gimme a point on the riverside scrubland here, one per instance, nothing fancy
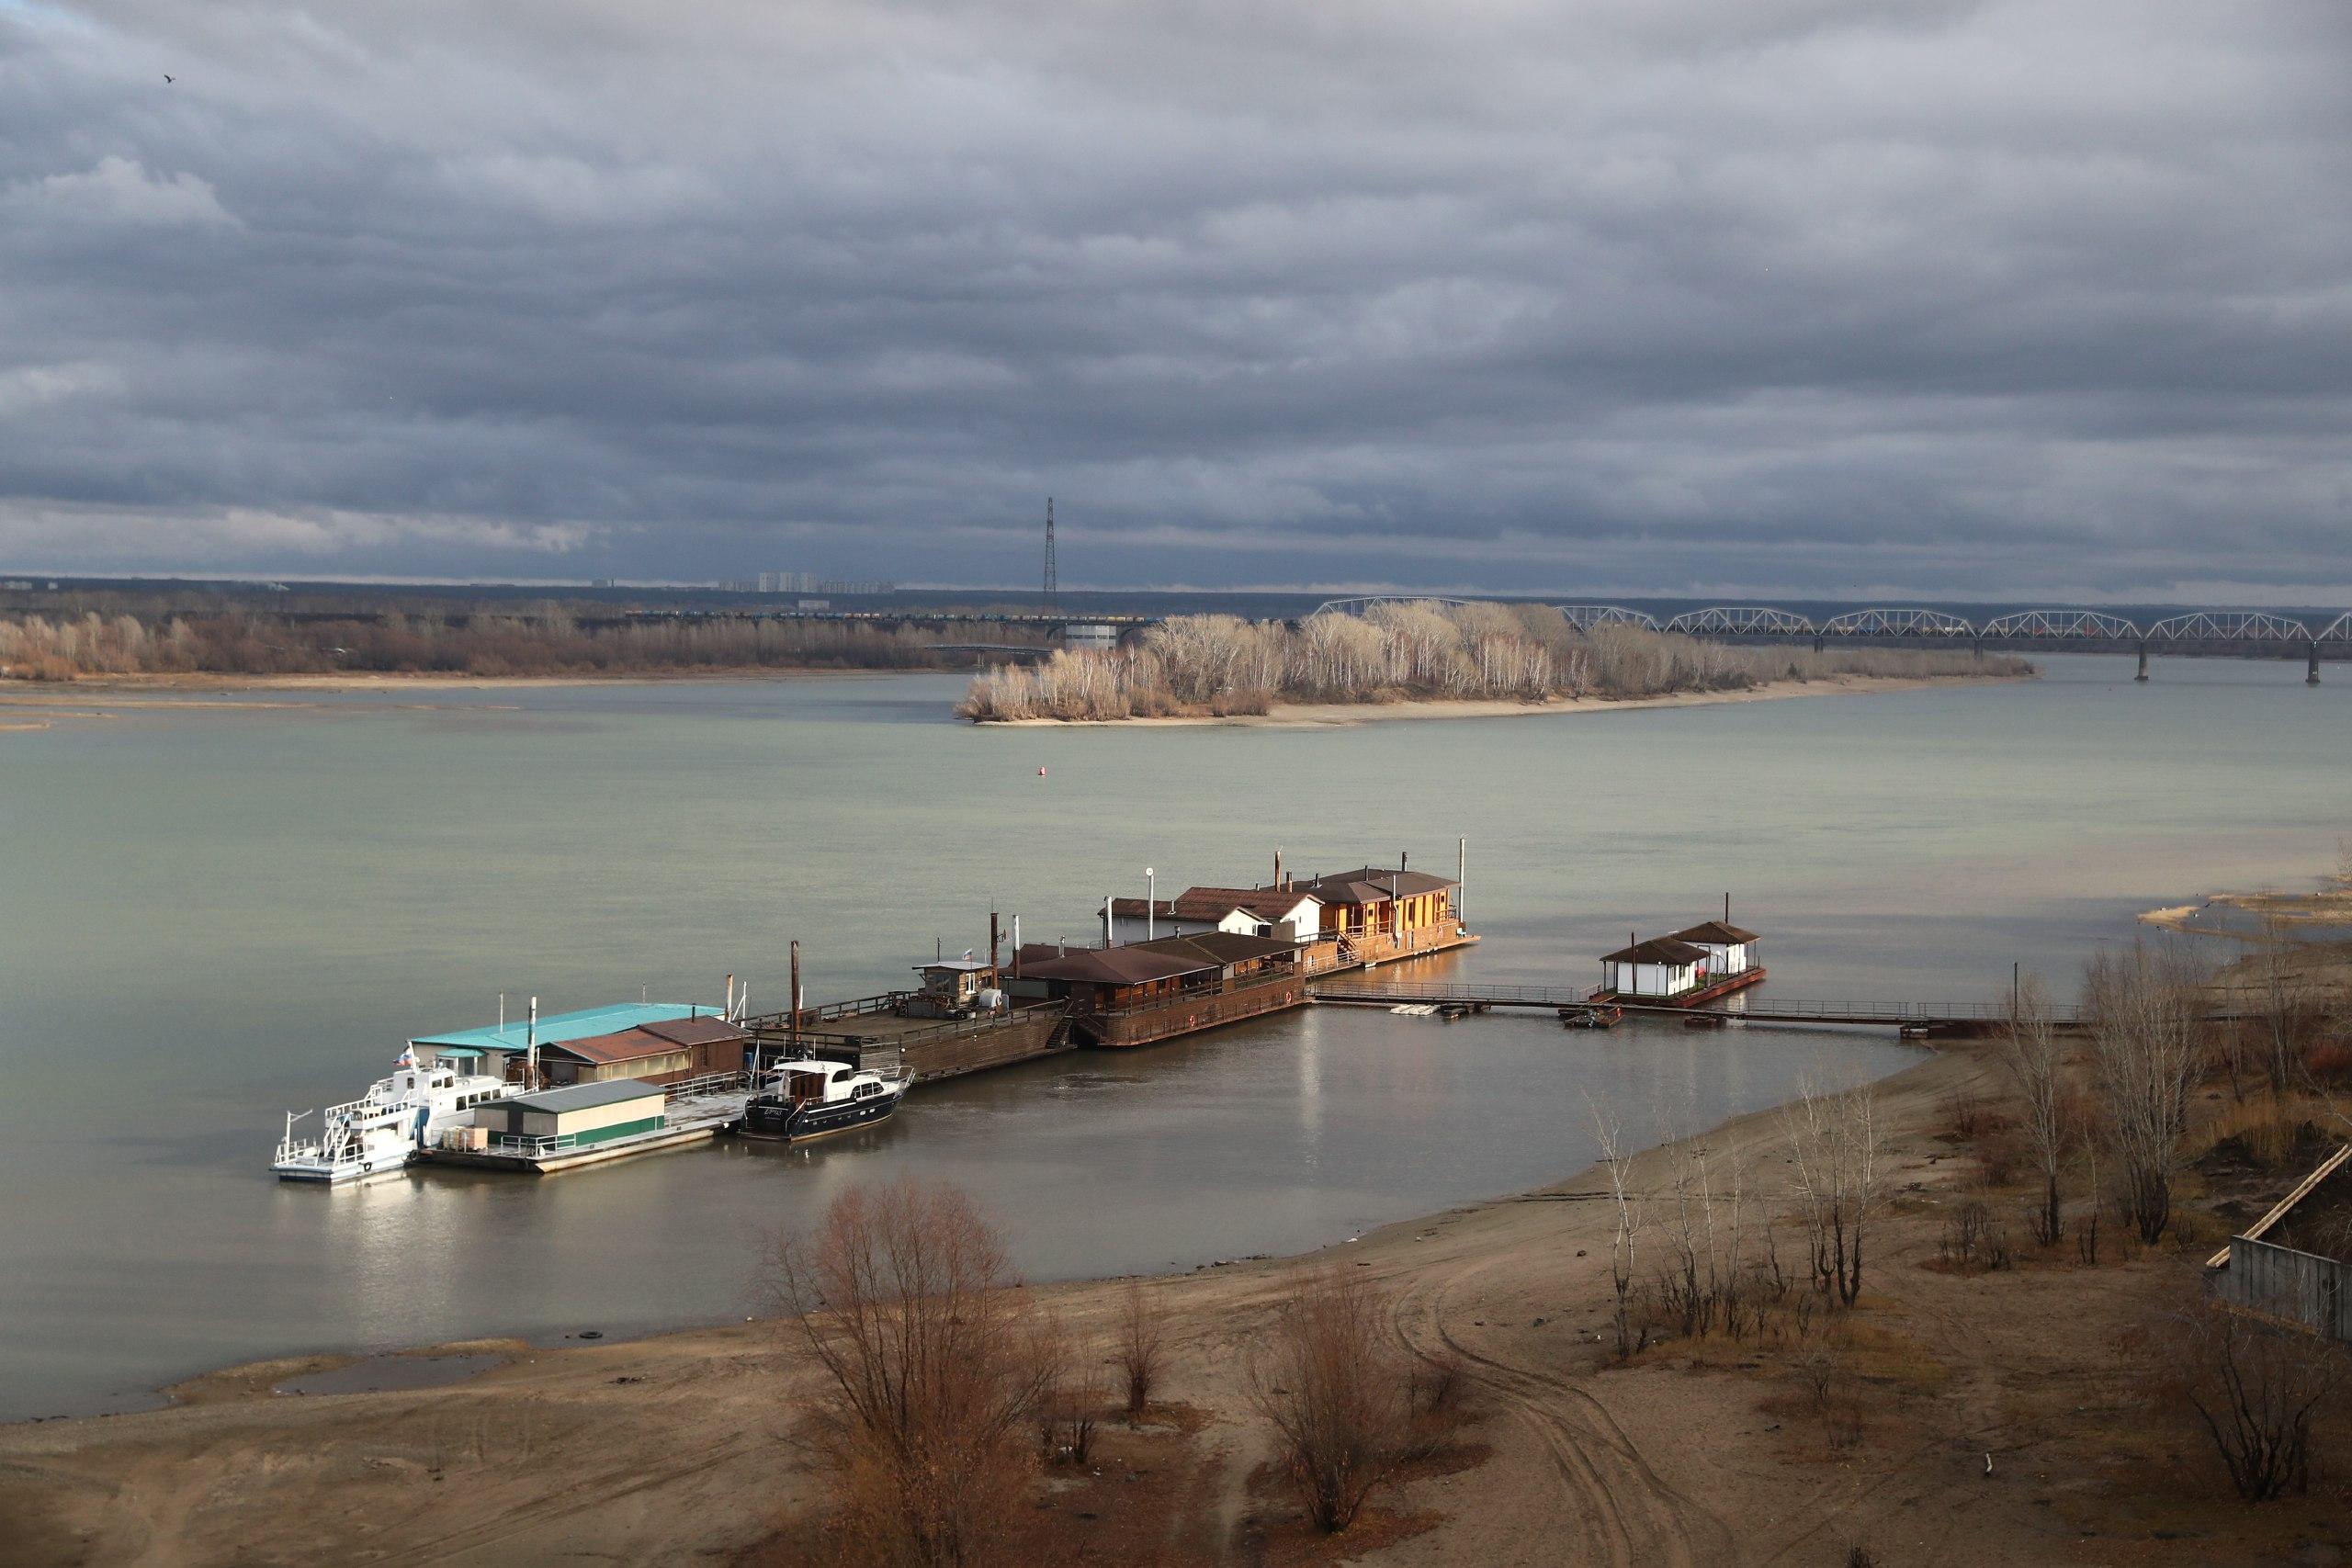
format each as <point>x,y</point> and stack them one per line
<point>1419,651</point>
<point>131,635</point>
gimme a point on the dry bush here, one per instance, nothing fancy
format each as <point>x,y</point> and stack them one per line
<point>1066,1412</point>
<point>1143,1333</point>
<point>937,1362</point>
<point>1972,1240</point>
<point>2256,1388</point>
<point>1325,1380</point>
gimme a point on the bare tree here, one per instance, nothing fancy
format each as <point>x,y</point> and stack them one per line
<point>2145,1035</point>
<point>2034,1062</point>
<point>1834,1143</point>
<point>2290,1006</point>
<point>2256,1388</point>
<point>1340,1406</point>
<point>1627,1233</point>
<point>1143,1329</point>
<point>937,1360</point>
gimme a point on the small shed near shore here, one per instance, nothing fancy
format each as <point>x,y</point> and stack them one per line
<point>586,1113</point>
<point>1662,966</point>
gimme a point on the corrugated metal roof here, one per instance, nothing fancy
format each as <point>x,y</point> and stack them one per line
<point>1215,903</point>
<point>556,1027</point>
<point>586,1096</point>
<point>703,1030</point>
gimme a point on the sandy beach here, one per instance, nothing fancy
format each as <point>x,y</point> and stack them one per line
<point>1997,1402</point>
<point>1302,716</point>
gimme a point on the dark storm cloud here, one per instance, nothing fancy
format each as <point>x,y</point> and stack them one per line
<point>1947,299</point>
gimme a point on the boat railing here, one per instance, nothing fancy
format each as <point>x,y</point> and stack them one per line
<point>531,1147</point>
<point>709,1084</point>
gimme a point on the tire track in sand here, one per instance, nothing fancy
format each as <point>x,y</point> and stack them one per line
<point>1636,1517</point>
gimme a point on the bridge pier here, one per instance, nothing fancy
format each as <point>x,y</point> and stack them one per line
<point>2311,675</point>
<point>2143,675</point>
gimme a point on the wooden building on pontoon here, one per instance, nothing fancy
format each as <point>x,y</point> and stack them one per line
<point>1730,950</point>
<point>1145,991</point>
<point>1377,911</point>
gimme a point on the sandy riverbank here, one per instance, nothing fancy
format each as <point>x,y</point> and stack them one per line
<point>1319,714</point>
<point>672,1448</point>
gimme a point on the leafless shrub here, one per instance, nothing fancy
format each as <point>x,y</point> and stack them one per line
<point>1143,1330</point>
<point>1325,1383</point>
<point>2145,1038</point>
<point>1065,1413</point>
<point>1973,1239</point>
<point>937,1362</point>
<point>2256,1388</point>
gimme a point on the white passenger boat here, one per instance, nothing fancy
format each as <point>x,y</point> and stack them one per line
<point>380,1132</point>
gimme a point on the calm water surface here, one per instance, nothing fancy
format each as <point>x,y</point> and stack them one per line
<point>209,918</point>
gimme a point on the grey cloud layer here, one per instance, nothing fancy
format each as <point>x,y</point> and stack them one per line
<point>1943,297</point>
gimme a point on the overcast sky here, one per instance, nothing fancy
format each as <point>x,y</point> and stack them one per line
<point>1831,297</point>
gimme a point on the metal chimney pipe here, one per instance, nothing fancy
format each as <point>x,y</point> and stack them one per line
<point>1016,947</point>
<point>531,1048</point>
<point>1151,899</point>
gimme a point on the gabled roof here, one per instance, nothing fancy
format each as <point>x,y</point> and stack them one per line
<point>1372,885</point>
<point>1131,965</point>
<point>1716,931</point>
<point>556,1028</point>
<point>1219,947</point>
<point>1658,950</point>
<point>1266,903</point>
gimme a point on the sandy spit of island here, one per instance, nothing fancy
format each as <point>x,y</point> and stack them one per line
<point>1308,716</point>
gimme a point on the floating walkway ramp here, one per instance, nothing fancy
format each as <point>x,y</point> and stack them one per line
<point>1941,1017</point>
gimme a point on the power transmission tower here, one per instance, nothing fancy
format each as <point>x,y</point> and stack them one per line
<point>1053,577</point>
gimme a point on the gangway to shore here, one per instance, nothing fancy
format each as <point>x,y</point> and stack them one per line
<point>1949,1017</point>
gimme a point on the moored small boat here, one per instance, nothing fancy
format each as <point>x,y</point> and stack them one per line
<point>798,1101</point>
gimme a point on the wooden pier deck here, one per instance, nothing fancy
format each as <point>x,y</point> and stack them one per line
<point>1954,1018</point>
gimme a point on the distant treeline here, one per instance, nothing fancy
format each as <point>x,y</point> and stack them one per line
<point>1411,652</point>
<point>506,639</point>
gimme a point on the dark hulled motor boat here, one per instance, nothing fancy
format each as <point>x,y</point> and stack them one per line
<point>804,1100</point>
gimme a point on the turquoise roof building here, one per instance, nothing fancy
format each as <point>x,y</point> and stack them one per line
<point>558,1027</point>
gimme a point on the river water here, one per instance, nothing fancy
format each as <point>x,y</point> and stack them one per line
<point>207,918</point>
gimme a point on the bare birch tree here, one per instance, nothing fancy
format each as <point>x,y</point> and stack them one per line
<point>2034,1062</point>
<point>1834,1146</point>
<point>2142,1008</point>
<point>1626,1234</point>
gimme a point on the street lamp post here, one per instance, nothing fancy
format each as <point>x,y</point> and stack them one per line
<point>1149,907</point>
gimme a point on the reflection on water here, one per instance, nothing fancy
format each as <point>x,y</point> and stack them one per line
<point>210,917</point>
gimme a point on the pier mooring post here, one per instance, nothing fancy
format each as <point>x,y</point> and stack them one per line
<point>2311,674</point>
<point>2143,675</point>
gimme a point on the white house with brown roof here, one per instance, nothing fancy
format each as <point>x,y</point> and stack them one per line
<point>1730,950</point>
<point>1289,913</point>
<point>1662,966</point>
